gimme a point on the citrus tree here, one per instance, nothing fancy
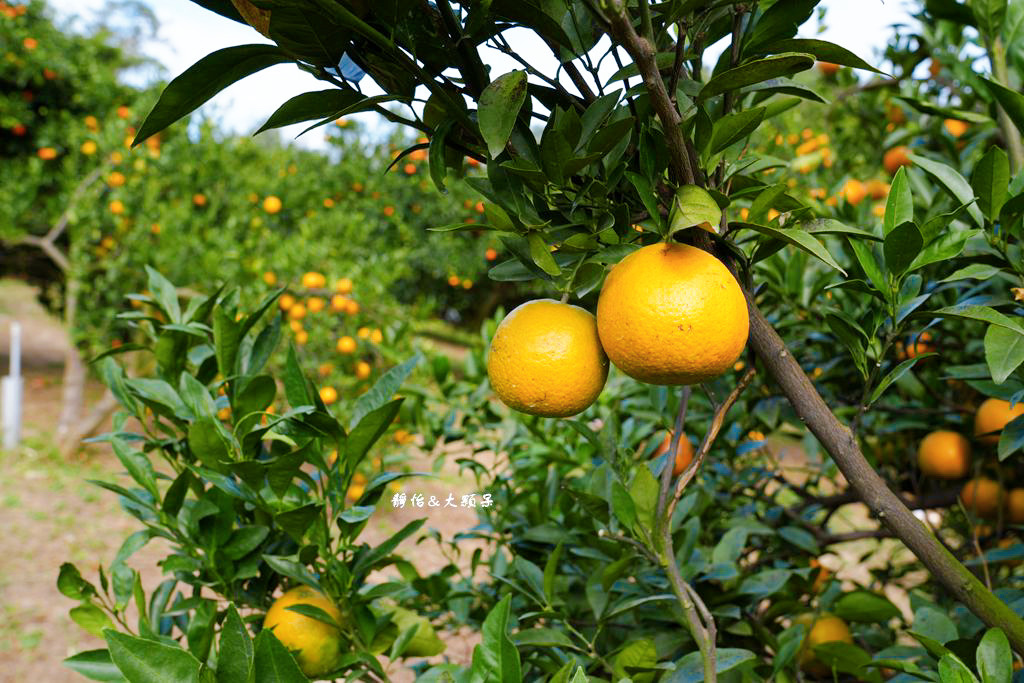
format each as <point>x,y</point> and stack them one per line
<point>725,243</point>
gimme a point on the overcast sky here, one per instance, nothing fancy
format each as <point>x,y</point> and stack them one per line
<point>188,32</point>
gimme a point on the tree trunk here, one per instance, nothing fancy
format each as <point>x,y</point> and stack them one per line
<point>73,385</point>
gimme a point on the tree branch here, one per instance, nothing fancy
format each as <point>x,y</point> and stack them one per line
<point>643,53</point>
<point>872,489</point>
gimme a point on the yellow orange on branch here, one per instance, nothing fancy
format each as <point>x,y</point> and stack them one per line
<point>672,314</point>
<point>546,359</point>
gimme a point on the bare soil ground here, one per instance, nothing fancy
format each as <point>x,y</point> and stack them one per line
<point>50,514</point>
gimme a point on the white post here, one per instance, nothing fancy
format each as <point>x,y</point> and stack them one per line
<point>11,391</point>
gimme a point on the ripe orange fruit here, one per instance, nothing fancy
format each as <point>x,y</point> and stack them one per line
<point>123,112</point>
<point>297,312</point>
<point>314,280</point>
<point>684,453</point>
<point>467,284</point>
<point>346,344</point>
<point>317,645</point>
<point>825,629</point>
<point>363,333</point>
<point>351,306</point>
<point>982,496</point>
<point>546,359</point>
<point>454,280</point>
<point>328,203</point>
<point>919,344</point>
<point>286,301</point>
<point>853,191</point>
<point>338,303</point>
<point>47,153</point>
<point>828,68</point>
<point>363,369</point>
<point>376,336</point>
<point>328,395</point>
<point>199,199</point>
<point>896,157</point>
<point>301,337</point>
<point>821,578</point>
<point>88,147</point>
<point>490,254</point>
<point>409,169</point>
<point>877,189</point>
<point>357,488</point>
<point>1015,506</point>
<point>315,304</point>
<point>269,278</point>
<point>992,416</point>
<point>116,179</point>
<point>271,204</point>
<point>672,314</point>
<point>389,211</point>
<point>343,286</point>
<point>955,127</point>
<point>295,325</point>
<point>944,455</point>
<point>934,68</point>
<point>117,207</point>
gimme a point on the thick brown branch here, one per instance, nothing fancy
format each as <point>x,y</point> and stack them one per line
<point>643,53</point>
<point>872,489</point>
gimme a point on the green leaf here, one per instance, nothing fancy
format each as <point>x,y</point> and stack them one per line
<point>273,662</point>
<point>690,669</point>
<point>91,619</point>
<point>165,294</point>
<point>369,429</point>
<point>644,492</point>
<point>734,127</point>
<point>543,637</point>
<point>945,248</point>
<point>208,443</point>
<point>646,193</point>
<point>800,538</point>
<point>436,155</point>
<point>499,106</point>
<point>540,253</point>
<point>149,661</point>
<point>234,659</point>
<point>865,606</point>
<point>71,584</point>
<point>798,238</point>
<point>322,104</point>
<point>765,583</point>
<point>694,206</point>
<point>822,50</point>
<point>953,670</point>
<point>902,245</point>
<point>974,271</point>
<point>204,79</point>
<point>496,658</point>
<point>730,546</point>
<point>894,375</point>
<point>953,182</point>
<point>756,71</point>
<point>368,561</point>
<point>1004,352</point>
<point>622,505</point>
<point>1011,439</point>
<point>296,388</point>
<point>982,313</point>
<point>899,207</point>
<point>227,338</point>
<point>634,660</point>
<point>384,389</point>
<point>990,180</point>
<point>95,665</point>
<point>989,15</point>
<point>994,657</point>
<point>934,624</point>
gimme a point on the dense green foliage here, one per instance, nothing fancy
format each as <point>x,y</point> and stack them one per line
<point>903,312</point>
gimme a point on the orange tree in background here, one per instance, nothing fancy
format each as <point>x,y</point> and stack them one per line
<point>865,331</point>
<point>82,212</point>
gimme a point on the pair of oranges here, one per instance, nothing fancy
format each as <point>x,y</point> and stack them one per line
<point>668,314</point>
